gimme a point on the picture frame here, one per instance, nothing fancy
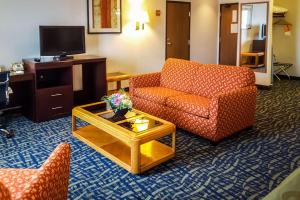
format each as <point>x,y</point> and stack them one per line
<point>104,16</point>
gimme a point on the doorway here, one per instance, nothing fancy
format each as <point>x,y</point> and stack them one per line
<point>228,34</point>
<point>178,30</point>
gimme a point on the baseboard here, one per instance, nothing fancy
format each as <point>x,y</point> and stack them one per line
<point>285,77</point>
<point>264,87</point>
<point>282,77</point>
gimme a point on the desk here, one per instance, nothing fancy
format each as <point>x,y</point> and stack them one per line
<point>257,59</point>
<point>45,90</point>
<point>117,77</point>
<point>22,97</point>
<point>53,94</point>
<point>27,76</point>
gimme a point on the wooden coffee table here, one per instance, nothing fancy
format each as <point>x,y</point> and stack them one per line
<point>131,142</point>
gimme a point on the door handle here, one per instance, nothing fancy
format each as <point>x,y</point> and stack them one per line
<point>168,41</point>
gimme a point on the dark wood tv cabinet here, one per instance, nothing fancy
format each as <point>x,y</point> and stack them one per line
<point>53,85</point>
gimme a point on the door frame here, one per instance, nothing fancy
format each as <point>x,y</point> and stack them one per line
<point>219,38</point>
<point>166,36</point>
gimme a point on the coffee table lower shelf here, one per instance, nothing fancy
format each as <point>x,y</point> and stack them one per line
<point>151,153</point>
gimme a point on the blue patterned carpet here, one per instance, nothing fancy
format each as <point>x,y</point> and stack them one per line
<point>246,166</point>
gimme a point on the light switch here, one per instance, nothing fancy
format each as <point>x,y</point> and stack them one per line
<point>158,12</point>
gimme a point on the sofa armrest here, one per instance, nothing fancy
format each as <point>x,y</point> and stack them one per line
<point>145,80</point>
<point>234,110</point>
<point>52,178</point>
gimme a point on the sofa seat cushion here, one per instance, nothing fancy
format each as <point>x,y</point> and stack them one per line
<point>192,104</point>
<point>156,94</point>
<point>15,180</point>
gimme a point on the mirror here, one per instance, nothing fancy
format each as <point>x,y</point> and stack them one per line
<point>254,36</point>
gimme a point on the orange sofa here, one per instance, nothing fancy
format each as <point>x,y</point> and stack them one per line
<point>48,182</point>
<point>212,101</point>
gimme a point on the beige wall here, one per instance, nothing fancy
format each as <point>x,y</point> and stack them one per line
<point>139,52</point>
<point>204,31</point>
<point>136,51</point>
<point>20,20</point>
<point>287,48</point>
<point>144,51</point>
<point>132,51</point>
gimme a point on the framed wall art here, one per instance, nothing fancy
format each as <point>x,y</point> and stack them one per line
<point>104,16</point>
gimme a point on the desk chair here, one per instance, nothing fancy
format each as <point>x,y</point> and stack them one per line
<point>4,100</point>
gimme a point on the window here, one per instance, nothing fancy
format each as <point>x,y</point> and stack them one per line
<point>247,16</point>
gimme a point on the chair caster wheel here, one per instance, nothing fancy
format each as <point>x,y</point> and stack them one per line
<point>7,133</point>
<point>10,135</point>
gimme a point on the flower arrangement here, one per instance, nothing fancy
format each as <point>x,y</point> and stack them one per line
<point>119,101</point>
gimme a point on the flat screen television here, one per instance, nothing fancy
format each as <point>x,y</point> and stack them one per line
<point>61,41</point>
<point>263,31</point>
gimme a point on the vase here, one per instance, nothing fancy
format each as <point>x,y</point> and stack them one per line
<point>119,114</point>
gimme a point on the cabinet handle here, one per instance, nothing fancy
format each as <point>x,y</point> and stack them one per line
<point>56,108</point>
<point>56,95</point>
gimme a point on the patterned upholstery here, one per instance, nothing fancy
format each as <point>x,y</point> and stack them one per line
<point>146,80</point>
<point>219,100</point>
<point>178,74</point>
<point>150,107</point>
<point>15,180</point>
<point>233,110</point>
<point>192,104</point>
<point>213,79</point>
<point>48,182</point>
<point>4,192</point>
<point>156,94</point>
<point>192,123</point>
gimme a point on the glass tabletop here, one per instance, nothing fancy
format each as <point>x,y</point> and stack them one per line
<point>132,121</point>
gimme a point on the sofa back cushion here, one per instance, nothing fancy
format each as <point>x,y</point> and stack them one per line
<point>179,74</point>
<point>213,79</point>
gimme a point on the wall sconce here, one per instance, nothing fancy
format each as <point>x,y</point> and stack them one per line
<point>141,18</point>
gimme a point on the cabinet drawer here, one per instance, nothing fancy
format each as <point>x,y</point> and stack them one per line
<point>55,95</point>
<point>54,111</point>
<point>54,102</point>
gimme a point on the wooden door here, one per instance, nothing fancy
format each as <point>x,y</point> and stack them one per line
<point>228,34</point>
<point>178,30</point>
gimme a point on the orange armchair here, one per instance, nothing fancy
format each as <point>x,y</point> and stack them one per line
<point>48,182</point>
